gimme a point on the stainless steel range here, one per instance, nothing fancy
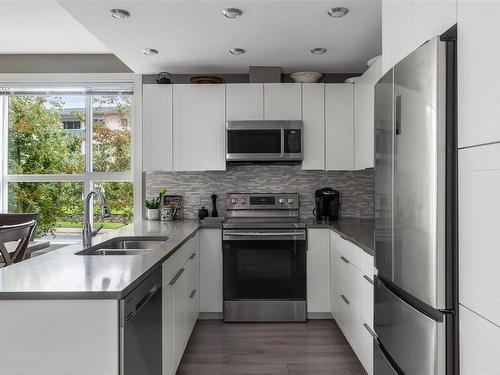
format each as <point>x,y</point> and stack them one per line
<point>264,259</point>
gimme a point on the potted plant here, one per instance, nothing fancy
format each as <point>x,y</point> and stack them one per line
<point>153,208</point>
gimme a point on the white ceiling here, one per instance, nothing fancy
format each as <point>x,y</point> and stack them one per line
<point>43,27</point>
<point>193,36</point>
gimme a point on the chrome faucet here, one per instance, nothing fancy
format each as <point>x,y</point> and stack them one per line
<point>88,232</point>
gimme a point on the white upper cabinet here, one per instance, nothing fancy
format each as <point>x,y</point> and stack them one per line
<point>478,81</point>
<point>157,128</point>
<point>364,114</point>
<point>407,24</point>
<point>339,118</point>
<point>244,101</point>
<point>430,18</point>
<point>199,123</point>
<point>282,101</point>
<point>313,115</point>
<point>396,32</point>
<point>479,205</point>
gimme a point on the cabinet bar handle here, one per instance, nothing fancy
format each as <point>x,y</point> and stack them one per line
<point>176,277</point>
<point>192,293</point>
<point>345,299</point>
<point>344,237</point>
<point>192,256</point>
<point>345,260</point>
<point>370,331</point>
<point>368,279</point>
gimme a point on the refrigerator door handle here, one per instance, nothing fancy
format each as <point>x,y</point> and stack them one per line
<point>398,115</point>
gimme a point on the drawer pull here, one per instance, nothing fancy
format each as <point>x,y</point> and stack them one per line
<point>192,256</point>
<point>370,331</point>
<point>345,299</point>
<point>344,238</point>
<point>368,279</point>
<point>345,260</point>
<point>192,293</point>
<point>176,277</point>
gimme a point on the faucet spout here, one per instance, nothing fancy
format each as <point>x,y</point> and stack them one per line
<point>88,232</point>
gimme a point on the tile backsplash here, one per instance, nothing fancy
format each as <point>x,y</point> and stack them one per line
<point>355,187</point>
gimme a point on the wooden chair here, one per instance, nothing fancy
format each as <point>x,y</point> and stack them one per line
<point>17,232</point>
<point>11,219</point>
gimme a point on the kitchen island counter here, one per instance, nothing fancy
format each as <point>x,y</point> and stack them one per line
<point>61,274</point>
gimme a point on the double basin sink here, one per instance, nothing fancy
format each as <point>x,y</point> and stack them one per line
<point>125,246</point>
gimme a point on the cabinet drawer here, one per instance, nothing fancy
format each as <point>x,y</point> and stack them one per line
<point>356,256</point>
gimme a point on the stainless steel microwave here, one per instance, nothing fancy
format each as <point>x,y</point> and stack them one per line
<point>264,141</point>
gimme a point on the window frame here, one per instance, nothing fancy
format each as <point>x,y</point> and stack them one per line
<point>134,175</point>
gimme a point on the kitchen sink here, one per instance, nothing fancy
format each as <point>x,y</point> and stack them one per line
<point>125,246</point>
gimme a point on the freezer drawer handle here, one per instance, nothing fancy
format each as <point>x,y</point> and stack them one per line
<point>192,293</point>
<point>368,279</point>
<point>370,331</point>
<point>345,260</point>
<point>192,256</point>
<point>176,277</point>
<point>345,299</point>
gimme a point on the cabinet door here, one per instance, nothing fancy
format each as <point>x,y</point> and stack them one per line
<point>282,101</point>
<point>179,286</point>
<point>333,276</point>
<point>244,101</point>
<point>396,32</point>
<point>318,270</point>
<point>478,56</point>
<point>479,345</point>
<point>211,270</point>
<point>364,115</point>
<point>430,18</point>
<point>157,127</point>
<point>339,109</point>
<point>479,185</point>
<point>313,115</point>
<point>199,123</point>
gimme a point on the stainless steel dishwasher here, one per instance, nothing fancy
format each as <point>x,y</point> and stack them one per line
<point>140,328</point>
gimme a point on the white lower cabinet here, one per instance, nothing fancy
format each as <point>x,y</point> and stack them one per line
<point>352,296</point>
<point>318,270</point>
<point>180,307</point>
<point>479,345</point>
<point>211,270</point>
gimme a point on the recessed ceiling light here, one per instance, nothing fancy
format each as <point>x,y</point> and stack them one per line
<point>150,51</point>
<point>338,12</point>
<point>119,14</point>
<point>318,51</point>
<point>237,51</point>
<point>232,12</point>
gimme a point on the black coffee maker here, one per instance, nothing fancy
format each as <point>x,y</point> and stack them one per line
<point>327,203</point>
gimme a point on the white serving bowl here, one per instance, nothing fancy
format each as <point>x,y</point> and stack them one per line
<point>306,77</point>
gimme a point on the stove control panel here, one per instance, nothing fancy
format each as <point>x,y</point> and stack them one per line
<point>263,201</point>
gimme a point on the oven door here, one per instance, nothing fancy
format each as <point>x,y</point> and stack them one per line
<point>264,274</point>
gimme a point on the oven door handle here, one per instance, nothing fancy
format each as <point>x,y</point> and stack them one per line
<point>265,235</point>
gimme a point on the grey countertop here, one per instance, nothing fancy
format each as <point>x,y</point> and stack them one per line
<point>60,274</point>
<point>358,231</point>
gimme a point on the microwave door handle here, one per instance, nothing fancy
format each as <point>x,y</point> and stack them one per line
<point>282,153</point>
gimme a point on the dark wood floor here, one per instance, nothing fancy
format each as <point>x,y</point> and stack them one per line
<point>316,347</point>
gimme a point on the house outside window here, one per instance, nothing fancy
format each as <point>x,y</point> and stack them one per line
<point>59,143</point>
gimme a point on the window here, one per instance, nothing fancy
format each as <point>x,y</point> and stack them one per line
<point>59,143</point>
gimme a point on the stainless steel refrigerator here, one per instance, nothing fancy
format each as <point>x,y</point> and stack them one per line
<point>415,201</point>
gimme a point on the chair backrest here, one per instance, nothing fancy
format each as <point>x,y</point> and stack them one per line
<point>12,219</point>
<point>17,232</point>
